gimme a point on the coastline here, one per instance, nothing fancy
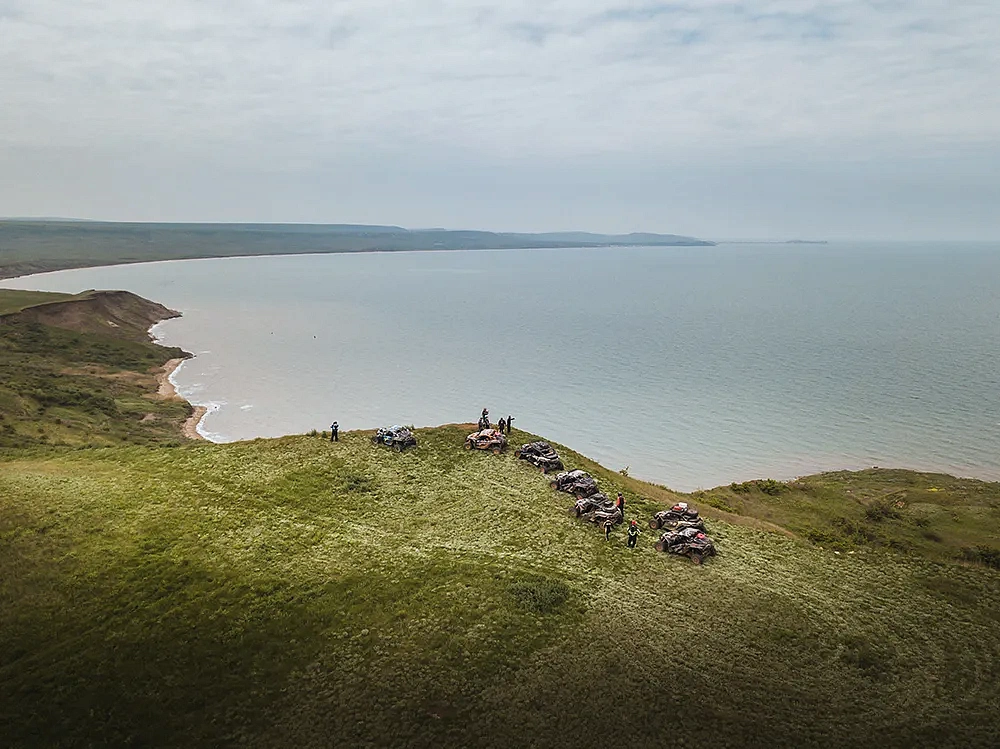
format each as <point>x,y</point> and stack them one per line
<point>167,391</point>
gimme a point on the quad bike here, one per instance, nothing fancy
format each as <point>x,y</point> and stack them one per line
<point>597,510</point>
<point>594,503</point>
<point>397,437</point>
<point>541,454</point>
<point>688,542</point>
<point>486,439</point>
<point>679,512</point>
<point>676,525</point>
<point>578,483</point>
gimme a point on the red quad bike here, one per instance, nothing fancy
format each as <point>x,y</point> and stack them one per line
<point>578,483</point>
<point>688,542</point>
<point>486,439</point>
<point>540,454</point>
<point>680,512</point>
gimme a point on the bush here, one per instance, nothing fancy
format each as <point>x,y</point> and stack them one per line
<point>720,504</point>
<point>543,595</point>
<point>880,510</point>
<point>866,656</point>
<point>766,486</point>
<point>984,555</point>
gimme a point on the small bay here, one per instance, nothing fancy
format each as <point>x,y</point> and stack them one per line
<point>694,366</point>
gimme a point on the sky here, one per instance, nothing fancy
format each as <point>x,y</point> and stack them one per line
<point>832,119</point>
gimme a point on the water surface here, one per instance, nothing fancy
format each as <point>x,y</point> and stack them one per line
<point>694,366</point>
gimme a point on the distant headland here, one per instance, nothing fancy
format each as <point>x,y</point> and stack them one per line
<point>38,245</point>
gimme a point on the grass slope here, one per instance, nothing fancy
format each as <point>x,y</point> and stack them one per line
<point>15,300</point>
<point>930,514</point>
<point>94,385</point>
<point>293,592</point>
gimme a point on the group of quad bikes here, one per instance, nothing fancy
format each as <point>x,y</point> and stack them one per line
<point>685,530</point>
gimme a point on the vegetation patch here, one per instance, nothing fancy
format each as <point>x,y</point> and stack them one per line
<point>984,555</point>
<point>765,486</point>
<point>543,595</point>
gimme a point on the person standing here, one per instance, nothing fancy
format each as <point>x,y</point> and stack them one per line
<point>334,430</point>
<point>501,426</point>
<point>510,420</point>
<point>633,534</point>
<point>608,525</point>
<point>620,504</point>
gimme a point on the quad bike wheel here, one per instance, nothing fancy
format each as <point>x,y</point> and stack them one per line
<point>655,523</point>
<point>398,446</point>
<point>553,484</point>
<point>496,450</point>
<point>468,444</point>
<point>696,557</point>
<point>659,546</point>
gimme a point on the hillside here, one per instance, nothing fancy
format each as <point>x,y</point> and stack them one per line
<point>283,592</point>
<point>80,370</point>
<point>36,246</point>
<point>294,592</point>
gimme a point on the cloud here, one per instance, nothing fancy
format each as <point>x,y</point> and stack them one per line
<point>300,86</point>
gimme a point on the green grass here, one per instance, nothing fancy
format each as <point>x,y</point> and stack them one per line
<point>14,300</point>
<point>294,592</point>
<point>928,514</point>
<point>291,592</point>
<point>67,388</point>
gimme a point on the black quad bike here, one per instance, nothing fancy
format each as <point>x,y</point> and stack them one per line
<point>689,542</point>
<point>540,454</point>
<point>578,483</point>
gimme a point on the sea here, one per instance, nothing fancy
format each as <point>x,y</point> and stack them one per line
<point>687,366</point>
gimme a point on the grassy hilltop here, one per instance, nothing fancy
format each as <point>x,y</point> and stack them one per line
<point>294,592</point>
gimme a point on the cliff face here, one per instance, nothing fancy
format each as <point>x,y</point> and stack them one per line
<point>120,314</point>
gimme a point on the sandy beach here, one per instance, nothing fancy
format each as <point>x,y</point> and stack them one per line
<point>167,391</point>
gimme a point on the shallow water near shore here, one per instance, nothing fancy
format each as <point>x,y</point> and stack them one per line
<point>693,366</point>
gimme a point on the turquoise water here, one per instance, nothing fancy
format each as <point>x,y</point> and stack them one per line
<point>692,366</point>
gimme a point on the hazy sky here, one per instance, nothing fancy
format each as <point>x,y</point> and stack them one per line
<point>820,118</point>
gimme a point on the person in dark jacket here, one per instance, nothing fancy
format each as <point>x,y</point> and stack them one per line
<point>633,534</point>
<point>334,429</point>
<point>501,426</point>
<point>510,420</point>
<point>608,525</point>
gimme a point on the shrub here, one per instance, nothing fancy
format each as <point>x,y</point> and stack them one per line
<point>866,656</point>
<point>765,486</point>
<point>880,510</point>
<point>543,595</point>
<point>984,555</point>
<point>855,531</point>
<point>720,504</point>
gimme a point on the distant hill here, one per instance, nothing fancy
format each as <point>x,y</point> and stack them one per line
<point>635,238</point>
<point>34,245</point>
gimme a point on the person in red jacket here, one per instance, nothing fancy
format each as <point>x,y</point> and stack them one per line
<point>620,504</point>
